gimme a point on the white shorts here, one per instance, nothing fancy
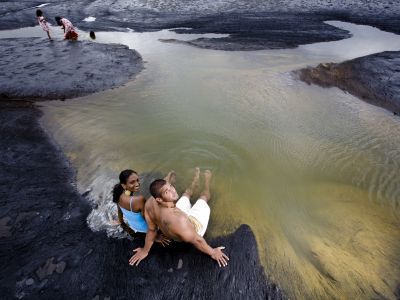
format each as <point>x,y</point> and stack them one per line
<point>200,211</point>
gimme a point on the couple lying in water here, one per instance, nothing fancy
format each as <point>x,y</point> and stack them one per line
<point>165,216</point>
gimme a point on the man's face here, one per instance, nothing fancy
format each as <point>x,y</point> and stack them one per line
<point>168,193</point>
<point>132,184</point>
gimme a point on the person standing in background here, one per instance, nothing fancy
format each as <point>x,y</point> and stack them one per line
<point>43,23</point>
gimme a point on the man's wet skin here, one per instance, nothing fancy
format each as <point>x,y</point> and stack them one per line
<point>176,224</point>
<point>155,209</point>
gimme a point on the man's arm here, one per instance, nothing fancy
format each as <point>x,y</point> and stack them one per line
<point>189,235</point>
<point>151,234</point>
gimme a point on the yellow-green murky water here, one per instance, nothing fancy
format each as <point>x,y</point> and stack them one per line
<point>313,171</point>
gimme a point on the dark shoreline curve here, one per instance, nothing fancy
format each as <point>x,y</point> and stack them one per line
<point>47,250</point>
<point>44,70</point>
<point>374,78</point>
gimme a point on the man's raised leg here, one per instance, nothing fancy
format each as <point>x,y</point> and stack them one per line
<point>171,177</point>
<point>194,185</point>
<point>206,194</point>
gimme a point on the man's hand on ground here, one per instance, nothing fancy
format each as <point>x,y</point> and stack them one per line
<point>138,256</point>
<point>163,240</point>
<point>220,256</point>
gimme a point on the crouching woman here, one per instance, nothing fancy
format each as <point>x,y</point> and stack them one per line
<point>69,29</point>
<point>130,207</point>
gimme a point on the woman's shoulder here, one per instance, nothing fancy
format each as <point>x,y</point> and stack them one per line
<point>123,199</point>
<point>127,199</point>
<point>140,199</point>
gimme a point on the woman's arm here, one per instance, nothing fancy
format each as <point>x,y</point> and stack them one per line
<point>141,253</point>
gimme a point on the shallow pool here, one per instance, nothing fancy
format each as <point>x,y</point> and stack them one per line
<point>313,171</point>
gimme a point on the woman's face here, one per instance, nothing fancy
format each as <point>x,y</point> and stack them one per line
<point>132,184</point>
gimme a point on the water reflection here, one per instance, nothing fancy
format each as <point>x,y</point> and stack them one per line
<point>313,171</point>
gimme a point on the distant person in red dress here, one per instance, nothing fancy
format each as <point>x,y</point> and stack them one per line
<point>69,29</point>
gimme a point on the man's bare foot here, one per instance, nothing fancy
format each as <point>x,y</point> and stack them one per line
<point>171,177</point>
<point>196,178</point>
<point>194,185</point>
<point>207,176</point>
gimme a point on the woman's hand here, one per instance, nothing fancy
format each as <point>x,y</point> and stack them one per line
<point>138,256</point>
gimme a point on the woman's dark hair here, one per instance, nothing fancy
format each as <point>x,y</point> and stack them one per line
<point>118,189</point>
<point>58,20</point>
<point>39,13</point>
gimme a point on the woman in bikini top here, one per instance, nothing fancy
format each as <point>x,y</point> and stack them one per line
<point>132,207</point>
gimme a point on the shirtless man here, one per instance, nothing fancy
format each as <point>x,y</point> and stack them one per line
<point>179,220</point>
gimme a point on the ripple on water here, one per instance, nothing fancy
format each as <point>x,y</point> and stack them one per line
<point>207,151</point>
